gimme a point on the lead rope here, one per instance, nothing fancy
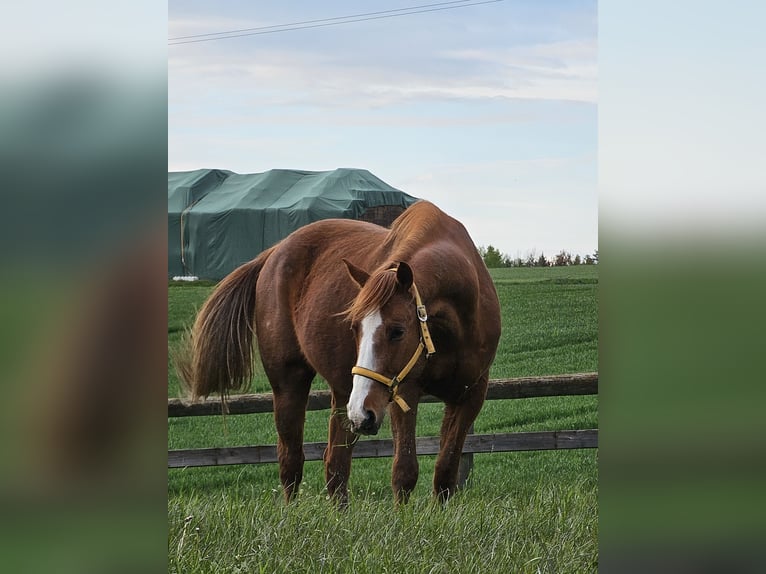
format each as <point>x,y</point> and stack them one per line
<point>340,412</point>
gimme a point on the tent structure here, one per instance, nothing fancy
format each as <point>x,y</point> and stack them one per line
<point>218,219</point>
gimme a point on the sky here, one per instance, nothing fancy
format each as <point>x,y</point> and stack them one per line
<point>489,111</point>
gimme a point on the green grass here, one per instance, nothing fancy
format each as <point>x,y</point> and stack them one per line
<point>549,529</point>
<point>557,275</point>
<point>522,512</point>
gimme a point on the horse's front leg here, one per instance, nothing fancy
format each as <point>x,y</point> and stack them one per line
<point>337,455</point>
<point>404,473</point>
<point>457,420</point>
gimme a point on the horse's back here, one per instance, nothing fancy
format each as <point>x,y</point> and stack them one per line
<point>303,290</point>
<point>318,248</point>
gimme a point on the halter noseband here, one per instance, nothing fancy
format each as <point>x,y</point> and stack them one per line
<point>425,344</point>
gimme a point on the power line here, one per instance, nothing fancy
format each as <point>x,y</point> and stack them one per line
<point>320,23</point>
<point>315,21</point>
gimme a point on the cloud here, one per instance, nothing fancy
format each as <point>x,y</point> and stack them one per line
<point>492,119</point>
<point>305,76</point>
<point>561,70</point>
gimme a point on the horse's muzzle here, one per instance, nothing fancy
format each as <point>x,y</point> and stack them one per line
<point>369,425</point>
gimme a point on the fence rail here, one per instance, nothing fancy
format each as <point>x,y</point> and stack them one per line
<point>546,440</point>
<point>517,388</point>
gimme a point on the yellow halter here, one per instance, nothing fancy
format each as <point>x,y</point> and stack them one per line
<point>425,344</point>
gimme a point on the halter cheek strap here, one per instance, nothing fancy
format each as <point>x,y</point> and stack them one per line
<point>425,334</point>
<point>425,344</point>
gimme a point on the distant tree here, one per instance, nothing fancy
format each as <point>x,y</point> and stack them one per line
<point>577,260</point>
<point>589,260</point>
<point>531,259</point>
<point>563,259</point>
<point>595,256</point>
<point>541,261</point>
<point>492,257</point>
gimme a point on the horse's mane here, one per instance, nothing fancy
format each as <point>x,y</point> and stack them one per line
<point>416,227</point>
<point>378,289</point>
<point>413,229</point>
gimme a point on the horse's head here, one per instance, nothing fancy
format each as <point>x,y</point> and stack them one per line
<point>390,331</point>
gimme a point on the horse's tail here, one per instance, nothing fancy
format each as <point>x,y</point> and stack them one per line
<point>217,356</point>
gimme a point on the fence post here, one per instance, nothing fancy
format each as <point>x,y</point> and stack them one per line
<point>466,465</point>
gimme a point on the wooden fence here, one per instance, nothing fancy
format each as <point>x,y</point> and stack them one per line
<point>518,388</point>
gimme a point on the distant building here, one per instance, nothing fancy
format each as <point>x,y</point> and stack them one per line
<point>218,219</point>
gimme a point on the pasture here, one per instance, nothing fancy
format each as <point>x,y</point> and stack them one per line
<point>522,512</point>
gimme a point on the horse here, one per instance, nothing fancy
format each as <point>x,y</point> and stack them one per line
<point>384,315</point>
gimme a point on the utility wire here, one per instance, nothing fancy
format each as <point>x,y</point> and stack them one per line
<point>320,20</point>
<point>325,22</point>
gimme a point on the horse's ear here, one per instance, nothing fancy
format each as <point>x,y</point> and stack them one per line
<point>404,275</point>
<point>360,276</point>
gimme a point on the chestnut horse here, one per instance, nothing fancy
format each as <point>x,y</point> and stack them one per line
<point>410,310</point>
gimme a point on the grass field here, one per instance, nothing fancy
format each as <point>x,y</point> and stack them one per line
<point>522,512</point>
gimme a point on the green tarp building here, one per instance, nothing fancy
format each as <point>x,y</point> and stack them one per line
<point>219,219</point>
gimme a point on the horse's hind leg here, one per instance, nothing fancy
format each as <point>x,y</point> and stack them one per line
<point>457,420</point>
<point>291,391</point>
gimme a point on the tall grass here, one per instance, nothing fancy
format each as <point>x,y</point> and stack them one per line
<point>522,512</point>
<point>550,528</point>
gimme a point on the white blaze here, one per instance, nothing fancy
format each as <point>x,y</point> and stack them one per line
<point>362,385</point>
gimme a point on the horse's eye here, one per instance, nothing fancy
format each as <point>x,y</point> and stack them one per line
<point>396,334</point>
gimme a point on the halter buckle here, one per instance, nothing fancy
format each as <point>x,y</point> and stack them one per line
<point>422,315</point>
